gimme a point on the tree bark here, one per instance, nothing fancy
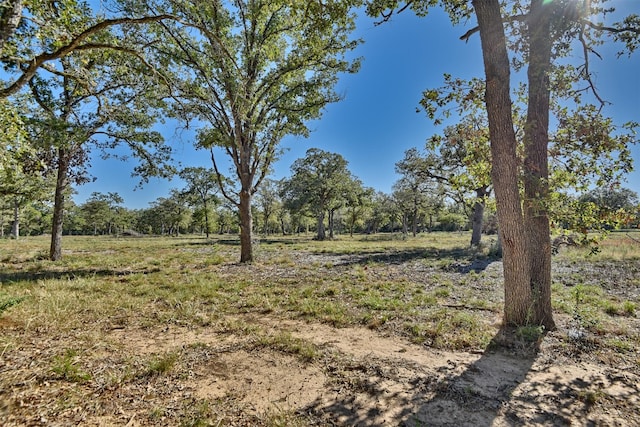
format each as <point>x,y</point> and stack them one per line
<point>504,173</point>
<point>10,17</point>
<point>55,251</point>
<point>321,232</point>
<point>536,168</point>
<point>405,225</point>
<point>331,215</point>
<point>246,227</point>
<point>477,216</point>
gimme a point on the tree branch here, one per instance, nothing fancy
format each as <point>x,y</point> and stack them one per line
<point>387,16</point>
<point>75,44</point>
<point>613,30</point>
<point>587,73</point>
<point>219,179</point>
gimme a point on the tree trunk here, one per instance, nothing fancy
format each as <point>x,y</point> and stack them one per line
<point>321,232</point>
<point>504,173</point>
<point>536,168</point>
<point>414,223</point>
<point>246,227</point>
<point>331,214</point>
<point>15,226</point>
<point>405,224</point>
<point>55,251</point>
<point>477,216</point>
<point>206,219</point>
<point>10,16</point>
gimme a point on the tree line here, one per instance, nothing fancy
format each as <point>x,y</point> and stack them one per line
<point>321,197</point>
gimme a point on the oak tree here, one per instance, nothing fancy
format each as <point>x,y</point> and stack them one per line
<point>538,33</point>
<point>319,182</point>
<point>252,72</point>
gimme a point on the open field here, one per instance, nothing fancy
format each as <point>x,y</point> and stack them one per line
<point>369,331</point>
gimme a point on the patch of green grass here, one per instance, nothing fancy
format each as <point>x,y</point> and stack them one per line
<point>530,333</point>
<point>442,292</point>
<point>591,397</point>
<point>457,330</point>
<point>197,414</point>
<point>620,345</point>
<point>331,312</point>
<point>66,367</point>
<point>629,308</point>
<point>374,300</point>
<point>285,419</point>
<point>161,364</point>
<point>8,302</point>
<point>286,343</point>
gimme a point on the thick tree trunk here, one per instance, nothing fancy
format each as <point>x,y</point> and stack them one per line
<point>536,168</point>
<point>321,232</point>
<point>246,227</point>
<point>477,216</point>
<point>504,173</point>
<point>55,251</point>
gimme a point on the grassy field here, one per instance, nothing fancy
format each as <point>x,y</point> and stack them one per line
<point>79,338</point>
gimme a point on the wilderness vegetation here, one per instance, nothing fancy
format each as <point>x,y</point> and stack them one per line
<point>252,72</point>
<point>536,166</point>
<point>172,330</point>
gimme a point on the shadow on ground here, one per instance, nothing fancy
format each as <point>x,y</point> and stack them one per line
<point>464,260</point>
<point>454,394</point>
<point>34,276</point>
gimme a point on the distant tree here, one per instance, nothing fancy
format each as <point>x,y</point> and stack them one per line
<point>451,221</point>
<point>269,202</point>
<point>75,219</point>
<point>604,208</point>
<point>382,212</point>
<point>202,186</point>
<point>101,212</point>
<point>254,71</point>
<point>359,201</point>
<point>460,160</point>
<point>102,111</point>
<point>168,215</point>
<point>22,172</point>
<point>415,192</point>
<point>612,198</point>
<point>319,182</point>
<point>227,219</point>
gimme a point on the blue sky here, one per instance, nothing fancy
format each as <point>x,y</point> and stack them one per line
<point>377,121</point>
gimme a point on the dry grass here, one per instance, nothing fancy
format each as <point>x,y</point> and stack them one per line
<point>431,290</point>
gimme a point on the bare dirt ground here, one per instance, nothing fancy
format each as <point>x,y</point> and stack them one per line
<point>264,369</point>
<point>362,379</point>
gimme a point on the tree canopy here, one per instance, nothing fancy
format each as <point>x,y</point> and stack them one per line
<point>252,71</point>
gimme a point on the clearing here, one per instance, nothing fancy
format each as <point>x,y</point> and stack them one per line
<point>370,331</point>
